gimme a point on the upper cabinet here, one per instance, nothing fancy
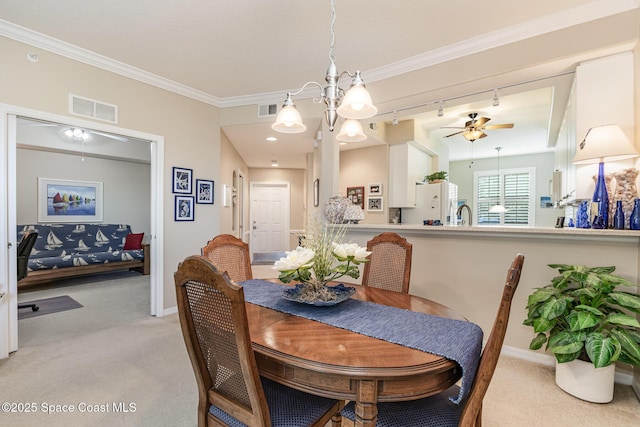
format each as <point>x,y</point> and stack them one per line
<point>408,164</point>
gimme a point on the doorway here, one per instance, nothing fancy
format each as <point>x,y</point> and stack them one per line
<point>269,221</point>
<point>8,177</point>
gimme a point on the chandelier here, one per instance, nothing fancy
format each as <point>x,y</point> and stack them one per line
<point>353,105</point>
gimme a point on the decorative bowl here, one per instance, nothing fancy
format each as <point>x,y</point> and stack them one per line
<point>341,292</point>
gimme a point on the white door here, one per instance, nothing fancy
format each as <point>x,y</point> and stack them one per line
<point>269,217</point>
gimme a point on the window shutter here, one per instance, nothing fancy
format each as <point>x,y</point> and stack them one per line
<point>512,189</point>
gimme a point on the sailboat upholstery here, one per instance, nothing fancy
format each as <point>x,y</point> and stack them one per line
<point>64,250</point>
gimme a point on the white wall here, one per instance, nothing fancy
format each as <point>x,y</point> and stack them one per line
<point>126,197</point>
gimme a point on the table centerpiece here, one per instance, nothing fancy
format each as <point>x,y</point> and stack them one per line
<point>321,258</point>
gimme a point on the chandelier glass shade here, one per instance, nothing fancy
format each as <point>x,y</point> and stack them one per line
<point>354,104</point>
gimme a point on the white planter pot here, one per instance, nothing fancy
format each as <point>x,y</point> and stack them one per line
<point>582,380</point>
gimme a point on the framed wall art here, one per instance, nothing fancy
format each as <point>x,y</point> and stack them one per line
<point>204,191</point>
<point>375,189</point>
<point>184,208</point>
<point>61,200</point>
<point>374,204</point>
<point>356,195</point>
<point>182,179</point>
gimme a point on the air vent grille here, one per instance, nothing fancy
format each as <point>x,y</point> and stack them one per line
<point>267,110</point>
<point>86,107</point>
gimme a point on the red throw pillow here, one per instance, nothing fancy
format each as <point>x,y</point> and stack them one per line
<point>133,241</point>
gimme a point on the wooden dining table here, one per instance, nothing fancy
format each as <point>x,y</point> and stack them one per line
<point>337,363</point>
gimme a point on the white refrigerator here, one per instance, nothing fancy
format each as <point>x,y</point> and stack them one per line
<point>433,202</point>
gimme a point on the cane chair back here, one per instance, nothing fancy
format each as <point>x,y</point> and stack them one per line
<point>438,410</point>
<point>231,392</point>
<point>230,254</point>
<point>389,265</point>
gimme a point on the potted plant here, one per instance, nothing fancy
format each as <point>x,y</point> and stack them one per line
<point>585,320</point>
<point>435,177</point>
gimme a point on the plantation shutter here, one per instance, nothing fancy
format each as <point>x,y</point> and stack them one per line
<point>513,189</point>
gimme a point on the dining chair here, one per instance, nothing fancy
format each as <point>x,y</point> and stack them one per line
<point>231,392</point>
<point>438,410</point>
<point>230,254</point>
<point>389,265</point>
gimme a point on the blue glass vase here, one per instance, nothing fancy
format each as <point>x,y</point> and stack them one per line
<point>618,217</point>
<point>582,217</point>
<point>634,219</point>
<point>601,197</point>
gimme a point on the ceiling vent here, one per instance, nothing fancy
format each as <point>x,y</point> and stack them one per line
<point>86,107</point>
<point>267,110</point>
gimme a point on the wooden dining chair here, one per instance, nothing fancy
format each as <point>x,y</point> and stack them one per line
<point>438,410</point>
<point>230,254</point>
<point>389,265</point>
<point>231,392</point>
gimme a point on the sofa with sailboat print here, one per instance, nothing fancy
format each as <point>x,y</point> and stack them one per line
<point>64,250</point>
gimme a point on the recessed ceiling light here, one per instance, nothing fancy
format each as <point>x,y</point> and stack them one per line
<point>271,138</point>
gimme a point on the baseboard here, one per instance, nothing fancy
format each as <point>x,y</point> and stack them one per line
<point>624,378</point>
<point>169,311</point>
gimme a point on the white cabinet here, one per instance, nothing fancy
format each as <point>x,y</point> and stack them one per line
<point>408,164</point>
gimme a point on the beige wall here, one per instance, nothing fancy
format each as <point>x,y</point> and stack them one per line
<point>190,129</point>
<point>362,166</point>
<point>230,164</point>
<point>296,179</point>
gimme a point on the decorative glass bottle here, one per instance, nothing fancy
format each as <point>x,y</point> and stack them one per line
<point>618,217</point>
<point>600,196</point>
<point>634,219</point>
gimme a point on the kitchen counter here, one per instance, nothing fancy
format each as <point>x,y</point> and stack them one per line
<point>465,267</point>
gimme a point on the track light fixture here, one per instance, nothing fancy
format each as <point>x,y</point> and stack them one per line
<point>441,110</point>
<point>496,100</point>
<point>354,104</point>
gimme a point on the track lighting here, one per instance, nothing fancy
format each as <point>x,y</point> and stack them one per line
<point>496,100</point>
<point>441,110</point>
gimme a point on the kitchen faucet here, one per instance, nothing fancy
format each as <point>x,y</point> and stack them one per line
<point>459,213</point>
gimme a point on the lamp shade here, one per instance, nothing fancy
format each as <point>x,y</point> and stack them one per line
<point>604,143</point>
<point>353,214</point>
<point>497,209</point>
<point>289,121</point>
<point>357,104</point>
<point>351,131</point>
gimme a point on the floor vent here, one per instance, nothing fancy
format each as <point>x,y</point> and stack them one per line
<point>267,110</point>
<point>86,107</point>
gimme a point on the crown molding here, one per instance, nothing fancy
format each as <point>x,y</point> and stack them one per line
<point>591,11</point>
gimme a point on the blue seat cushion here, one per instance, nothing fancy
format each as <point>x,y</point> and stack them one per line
<point>434,411</point>
<point>288,407</point>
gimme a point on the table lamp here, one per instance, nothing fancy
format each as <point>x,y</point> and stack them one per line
<point>600,144</point>
<point>353,214</point>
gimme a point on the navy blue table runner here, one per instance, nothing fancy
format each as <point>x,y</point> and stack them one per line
<point>456,340</point>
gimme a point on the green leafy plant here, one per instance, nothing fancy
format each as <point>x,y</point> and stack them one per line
<point>580,314</point>
<point>436,176</point>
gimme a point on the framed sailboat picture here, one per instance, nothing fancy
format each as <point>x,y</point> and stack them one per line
<point>62,200</point>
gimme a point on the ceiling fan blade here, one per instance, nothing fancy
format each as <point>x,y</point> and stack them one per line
<point>112,136</point>
<point>500,126</point>
<point>457,133</point>
<point>481,121</point>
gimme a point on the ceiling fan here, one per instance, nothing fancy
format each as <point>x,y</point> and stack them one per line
<point>72,132</point>
<point>474,128</point>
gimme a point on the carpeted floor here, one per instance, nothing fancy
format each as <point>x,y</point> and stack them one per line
<point>112,354</point>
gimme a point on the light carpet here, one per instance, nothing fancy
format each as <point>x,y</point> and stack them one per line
<point>112,354</point>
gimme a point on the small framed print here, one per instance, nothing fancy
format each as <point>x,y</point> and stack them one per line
<point>182,178</point>
<point>204,191</point>
<point>184,208</point>
<point>356,195</point>
<point>374,204</point>
<point>375,189</point>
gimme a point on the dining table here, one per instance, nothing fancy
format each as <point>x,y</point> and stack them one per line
<point>314,354</point>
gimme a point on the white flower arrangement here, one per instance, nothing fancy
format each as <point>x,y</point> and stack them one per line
<point>321,259</point>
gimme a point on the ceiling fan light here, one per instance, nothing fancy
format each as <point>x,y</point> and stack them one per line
<point>351,131</point>
<point>289,120</point>
<point>357,104</point>
<point>473,135</point>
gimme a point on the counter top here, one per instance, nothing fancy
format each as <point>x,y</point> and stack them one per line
<point>568,232</point>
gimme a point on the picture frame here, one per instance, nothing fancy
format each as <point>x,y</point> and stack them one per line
<point>375,189</point>
<point>375,204</point>
<point>356,195</point>
<point>204,191</point>
<point>183,209</point>
<point>182,179</point>
<point>316,192</point>
<point>62,200</point>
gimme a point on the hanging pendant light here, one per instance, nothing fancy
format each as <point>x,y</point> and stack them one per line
<point>498,208</point>
<point>354,104</point>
